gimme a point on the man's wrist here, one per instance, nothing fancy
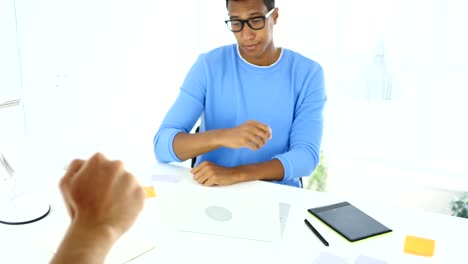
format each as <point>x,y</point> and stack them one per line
<point>103,234</point>
<point>243,173</point>
<point>270,170</point>
<point>217,138</point>
<point>85,244</point>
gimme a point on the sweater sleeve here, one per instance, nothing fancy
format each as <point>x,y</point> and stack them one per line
<point>306,132</point>
<point>183,114</point>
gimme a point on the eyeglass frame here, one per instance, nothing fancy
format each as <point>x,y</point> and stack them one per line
<point>244,21</point>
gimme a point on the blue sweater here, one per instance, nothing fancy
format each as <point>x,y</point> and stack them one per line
<point>225,91</point>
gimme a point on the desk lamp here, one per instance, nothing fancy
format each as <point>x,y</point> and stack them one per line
<point>17,208</point>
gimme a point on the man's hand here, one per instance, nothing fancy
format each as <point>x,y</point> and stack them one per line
<point>251,134</point>
<point>210,174</point>
<point>100,193</point>
<point>103,201</point>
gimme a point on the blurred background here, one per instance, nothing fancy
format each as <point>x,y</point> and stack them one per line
<point>82,76</point>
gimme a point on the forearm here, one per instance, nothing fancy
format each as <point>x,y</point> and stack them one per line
<point>299,162</point>
<point>81,245</point>
<point>187,146</point>
<point>271,170</point>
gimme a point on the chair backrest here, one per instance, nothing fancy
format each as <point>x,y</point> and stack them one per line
<point>194,159</point>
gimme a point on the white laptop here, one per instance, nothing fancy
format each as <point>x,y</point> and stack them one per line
<point>225,212</point>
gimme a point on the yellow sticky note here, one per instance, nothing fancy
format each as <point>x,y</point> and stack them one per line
<point>149,192</point>
<point>419,246</point>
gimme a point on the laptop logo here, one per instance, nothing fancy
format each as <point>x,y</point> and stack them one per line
<point>218,213</point>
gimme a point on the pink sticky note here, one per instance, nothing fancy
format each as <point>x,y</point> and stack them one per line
<point>328,258</point>
<point>368,260</point>
<point>164,177</point>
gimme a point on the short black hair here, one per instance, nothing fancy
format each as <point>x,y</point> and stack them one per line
<point>270,4</point>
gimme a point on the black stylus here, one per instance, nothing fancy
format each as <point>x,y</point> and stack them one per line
<point>316,232</point>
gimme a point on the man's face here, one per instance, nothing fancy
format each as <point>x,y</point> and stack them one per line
<point>254,45</point>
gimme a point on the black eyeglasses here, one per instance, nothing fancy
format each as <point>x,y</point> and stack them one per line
<point>255,23</point>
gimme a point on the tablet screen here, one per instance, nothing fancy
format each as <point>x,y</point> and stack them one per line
<point>349,221</point>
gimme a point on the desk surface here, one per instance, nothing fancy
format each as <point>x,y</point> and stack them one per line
<point>298,244</point>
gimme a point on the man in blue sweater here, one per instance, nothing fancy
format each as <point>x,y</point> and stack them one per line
<point>261,107</point>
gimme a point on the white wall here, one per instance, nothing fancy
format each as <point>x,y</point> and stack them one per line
<point>102,74</point>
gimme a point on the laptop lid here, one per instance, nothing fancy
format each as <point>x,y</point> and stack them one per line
<point>225,212</point>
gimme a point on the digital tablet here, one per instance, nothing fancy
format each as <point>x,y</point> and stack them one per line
<point>349,221</point>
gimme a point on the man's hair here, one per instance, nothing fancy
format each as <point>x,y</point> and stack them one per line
<point>270,4</point>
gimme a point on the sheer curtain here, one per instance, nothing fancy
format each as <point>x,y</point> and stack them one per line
<point>398,108</point>
<point>396,72</point>
<point>431,71</point>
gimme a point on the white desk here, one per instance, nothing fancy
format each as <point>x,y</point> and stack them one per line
<point>298,245</point>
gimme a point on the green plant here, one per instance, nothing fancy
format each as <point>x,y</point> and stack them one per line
<point>459,206</point>
<point>317,181</point>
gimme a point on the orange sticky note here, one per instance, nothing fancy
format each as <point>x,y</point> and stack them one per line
<point>149,192</point>
<point>419,246</point>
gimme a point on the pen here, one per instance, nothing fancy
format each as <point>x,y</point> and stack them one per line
<point>316,232</point>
